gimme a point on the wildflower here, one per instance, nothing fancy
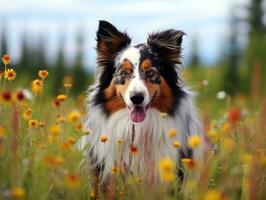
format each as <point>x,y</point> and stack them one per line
<point>43,74</point>
<point>55,129</point>
<point>228,144</point>
<point>73,116</point>
<point>72,181</point>
<point>92,194</point>
<point>163,115</point>
<point>194,141</point>
<point>66,145</point>
<point>67,85</point>
<point>103,138</point>
<point>234,115</point>
<point>2,131</point>
<point>213,195</point>
<point>78,127</point>
<point>6,59</point>
<point>42,124</point>
<point>27,114</point>
<point>188,162</point>
<point>36,86</point>
<point>61,97</point>
<point>167,169</point>
<point>33,123</point>
<point>10,74</point>
<point>71,140</point>
<point>115,170</point>
<point>133,149</point>
<point>221,95</point>
<point>246,158</point>
<point>212,134</point>
<point>20,95</point>
<point>176,144</point>
<point>53,161</point>
<point>56,102</point>
<point>172,133</point>
<point>6,96</point>
<point>225,128</point>
<point>17,192</point>
<point>120,141</point>
<point>60,119</point>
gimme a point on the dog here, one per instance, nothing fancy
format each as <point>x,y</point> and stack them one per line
<point>137,97</point>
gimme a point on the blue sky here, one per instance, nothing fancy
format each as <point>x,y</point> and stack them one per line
<point>208,20</point>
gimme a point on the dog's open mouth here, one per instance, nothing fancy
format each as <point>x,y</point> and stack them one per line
<point>137,113</point>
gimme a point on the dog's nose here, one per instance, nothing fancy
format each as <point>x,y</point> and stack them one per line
<point>137,98</point>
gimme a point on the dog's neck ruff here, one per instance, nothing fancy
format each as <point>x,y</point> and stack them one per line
<point>150,138</point>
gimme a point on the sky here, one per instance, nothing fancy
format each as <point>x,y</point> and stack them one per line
<point>205,20</point>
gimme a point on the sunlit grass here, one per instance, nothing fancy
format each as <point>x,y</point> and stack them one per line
<point>39,160</point>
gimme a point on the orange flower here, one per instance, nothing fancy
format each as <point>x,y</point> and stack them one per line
<point>17,192</point>
<point>115,170</point>
<point>72,181</point>
<point>104,138</point>
<point>234,115</point>
<point>6,96</point>
<point>20,95</point>
<point>43,74</point>
<point>6,59</point>
<point>53,161</point>
<point>188,162</point>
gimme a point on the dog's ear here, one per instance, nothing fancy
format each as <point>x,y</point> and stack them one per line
<point>167,44</point>
<point>109,42</point>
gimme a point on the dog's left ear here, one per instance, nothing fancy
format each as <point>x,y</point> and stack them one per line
<point>167,44</point>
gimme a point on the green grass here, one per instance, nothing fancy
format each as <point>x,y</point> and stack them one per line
<point>43,163</point>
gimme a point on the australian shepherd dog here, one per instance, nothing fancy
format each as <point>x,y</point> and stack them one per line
<point>137,97</point>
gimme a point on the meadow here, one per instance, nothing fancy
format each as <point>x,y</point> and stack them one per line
<point>39,159</point>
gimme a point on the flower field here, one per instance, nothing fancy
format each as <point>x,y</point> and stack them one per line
<point>39,159</point>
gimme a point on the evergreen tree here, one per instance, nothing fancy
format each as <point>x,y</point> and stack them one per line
<point>231,79</point>
<point>255,60</point>
<point>59,70</point>
<point>25,61</point>
<point>195,58</point>
<point>78,71</point>
<point>3,49</point>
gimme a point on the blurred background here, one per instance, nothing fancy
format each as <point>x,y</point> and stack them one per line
<point>224,50</point>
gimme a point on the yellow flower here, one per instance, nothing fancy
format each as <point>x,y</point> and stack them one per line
<point>67,85</point>
<point>92,194</point>
<point>163,115</point>
<point>188,162</point>
<point>2,132</point>
<point>194,141</point>
<point>36,86</point>
<point>167,169</point>
<point>212,134</point>
<point>172,133</point>
<point>115,170</point>
<point>41,124</point>
<point>61,97</point>
<point>53,161</point>
<point>10,74</point>
<point>104,138</point>
<point>213,195</point>
<point>55,129</point>
<point>43,74</point>
<point>27,114</point>
<point>225,128</point>
<point>72,181</point>
<point>176,144</point>
<point>73,116</point>
<point>246,158</point>
<point>6,59</point>
<point>228,144</point>
<point>33,123</point>
<point>17,192</point>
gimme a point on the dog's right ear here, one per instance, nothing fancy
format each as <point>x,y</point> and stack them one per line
<point>109,42</point>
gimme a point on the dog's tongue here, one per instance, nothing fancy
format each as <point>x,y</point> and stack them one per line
<point>137,114</point>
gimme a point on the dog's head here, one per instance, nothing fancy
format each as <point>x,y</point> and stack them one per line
<point>137,77</point>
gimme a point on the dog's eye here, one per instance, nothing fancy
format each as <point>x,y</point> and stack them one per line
<point>149,73</point>
<point>124,74</point>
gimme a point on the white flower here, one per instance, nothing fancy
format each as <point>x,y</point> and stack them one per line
<point>221,95</point>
